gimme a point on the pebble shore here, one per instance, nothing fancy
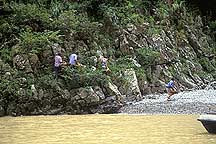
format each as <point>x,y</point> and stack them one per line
<point>187,102</point>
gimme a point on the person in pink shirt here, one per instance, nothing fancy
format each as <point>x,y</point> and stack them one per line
<point>57,64</point>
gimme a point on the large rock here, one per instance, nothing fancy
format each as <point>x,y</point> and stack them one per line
<point>21,62</point>
<point>99,92</point>
<point>132,88</point>
<point>211,86</point>
<point>88,97</point>
<point>93,100</point>
<point>112,90</point>
<point>109,106</point>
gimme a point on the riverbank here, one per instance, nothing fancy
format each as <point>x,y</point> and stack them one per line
<point>187,102</point>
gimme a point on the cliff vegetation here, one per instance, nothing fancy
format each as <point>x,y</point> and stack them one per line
<point>147,43</point>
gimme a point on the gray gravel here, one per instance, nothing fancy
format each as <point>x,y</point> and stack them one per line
<point>188,102</point>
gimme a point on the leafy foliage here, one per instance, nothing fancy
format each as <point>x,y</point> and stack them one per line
<point>30,15</point>
<point>82,77</point>
<point>36,42</point>
<point>32,26</point>
<point>147,57</point>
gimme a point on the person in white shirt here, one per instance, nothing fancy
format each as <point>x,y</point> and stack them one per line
<point>73,60</point>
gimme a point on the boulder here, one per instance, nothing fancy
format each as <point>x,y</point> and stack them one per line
<point>112,90</point>
<point>88,97</point>
<point>22,63</point>
<point>132,88</point>
<point>111,105</point>
<point>99,92</point>
<point>211,86</point>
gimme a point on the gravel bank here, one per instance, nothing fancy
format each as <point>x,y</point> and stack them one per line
<point>189,102</point>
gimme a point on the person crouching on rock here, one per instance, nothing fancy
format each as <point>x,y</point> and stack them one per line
<point>171,88</point>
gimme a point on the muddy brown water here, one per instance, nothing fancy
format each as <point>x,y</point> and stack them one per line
<point>104,129</point>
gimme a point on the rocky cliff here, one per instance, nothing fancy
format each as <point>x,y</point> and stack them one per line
<point>145,46</point>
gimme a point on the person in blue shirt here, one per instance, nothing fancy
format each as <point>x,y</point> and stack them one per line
<point>171,88</point>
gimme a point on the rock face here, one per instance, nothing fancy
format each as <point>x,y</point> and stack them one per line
<point>131,88</point>
<point>211,86</point>
<point>142,58</point>
<point>78,101</point>
<point>22,63</point>
<point>173,48</point>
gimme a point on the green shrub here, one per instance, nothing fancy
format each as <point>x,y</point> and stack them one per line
<point>147,56</point>
<point>35,42</point>
<point>9,89</point>
<point>6,55</point>
<point>31,14</point>
<point>67,21</point>
<point>141,76</point>
<point>47,81</point>
<point>6,28</point>
<point>82,77</point>
<point>207,66</point>
<point>122,16</point>
<point>213,25</point>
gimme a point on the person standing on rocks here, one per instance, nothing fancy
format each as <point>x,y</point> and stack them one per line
<point>171,88</point>
<point>57,64</point>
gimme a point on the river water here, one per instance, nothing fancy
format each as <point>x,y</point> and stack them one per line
<point>104,129</point>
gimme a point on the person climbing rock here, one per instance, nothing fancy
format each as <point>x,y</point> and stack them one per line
<point>171,88</point>
<point>57,64</point>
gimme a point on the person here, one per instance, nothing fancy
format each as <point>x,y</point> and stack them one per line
<point>73,60</point>
<point>57,64</point>
<point>171,88</point>
<point>103,61</point>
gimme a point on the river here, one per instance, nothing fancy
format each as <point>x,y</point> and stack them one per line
<point>104,129</point>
